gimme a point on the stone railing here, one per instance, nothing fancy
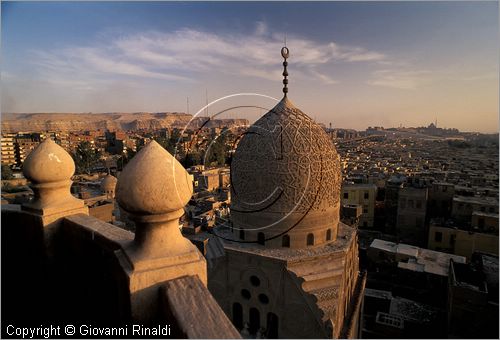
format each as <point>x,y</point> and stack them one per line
<point>62,266</point>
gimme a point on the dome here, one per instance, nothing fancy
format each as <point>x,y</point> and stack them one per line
<point>154,183</point>
<point>285,181</point>
<point>49,162</point>
<point>108,183</point>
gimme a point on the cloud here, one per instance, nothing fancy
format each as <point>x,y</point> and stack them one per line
<point>400,79</point>
<point>261,28</point>
<point>186,54</point>
<point>324,78</point>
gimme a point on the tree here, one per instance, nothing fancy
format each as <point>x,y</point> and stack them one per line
<point>85,157</point>
<point>7,172</point>
<point>171,143</point>
<point>217,151</point>
<point>192,158</point>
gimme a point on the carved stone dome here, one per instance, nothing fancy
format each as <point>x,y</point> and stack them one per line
<point>286,178</point>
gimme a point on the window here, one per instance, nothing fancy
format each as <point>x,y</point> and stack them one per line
<point>237,315</point>
<point>419,204</point>
<point>246,294</point>
<point>365,224</point>
<point>310,239</point>
<point>402,203</point>
<point>285,241</point>
<point>346,195</point>
<point>480,223</point>
<point>272,326</point>
<point>492,210</point>
<point>329,234</point>
<point>410,204</point>
<point>438,236</point>
<point>452,240</point>
<point>255,281</point>
<point>263,299</point>
<point>254,320</point>
<point>367,195</point>
<point>261,238</point>
<point>365,209</point>
<point>242,234</point>
<point>445,188</point>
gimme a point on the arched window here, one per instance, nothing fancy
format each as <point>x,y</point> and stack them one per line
<point>242,234</point>
<point>329,234</point>
<point>254,320</point>
<point>310,239</point>
<point>272,326</point>
<point>285,241</point>
<point>237,315</point>
<point>261,238</point>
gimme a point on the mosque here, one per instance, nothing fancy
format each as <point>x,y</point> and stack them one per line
<point>286,266</point>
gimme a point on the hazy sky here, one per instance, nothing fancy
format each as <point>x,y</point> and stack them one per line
<point>354,64</point>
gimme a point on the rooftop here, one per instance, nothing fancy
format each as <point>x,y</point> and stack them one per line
<point>421,259</point>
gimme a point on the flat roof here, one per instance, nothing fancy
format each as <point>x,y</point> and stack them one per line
<point>422,260</point>
<point>381,294</point>
<point>360,185</point>
<point>485,214</point>
<point>474,199</point>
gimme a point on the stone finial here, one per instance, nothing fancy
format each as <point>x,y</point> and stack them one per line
<point>49,169</point>
<point>153,189</point>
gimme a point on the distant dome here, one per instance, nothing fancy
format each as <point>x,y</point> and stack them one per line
<point>286,181</point>
<point>108,183</point>
<point>108,186</point>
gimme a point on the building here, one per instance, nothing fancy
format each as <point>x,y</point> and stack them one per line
<point>406,291</point>
<point>412,207</point>
<point>207,180</point>
<point>441,199</point>
<point>116,142</point>
<point>463,207</point>
<point>350,214</point>
<point>286,267</point>
<point>8,151</point>
<point>389,316</point>
<point>392,187</point>
<point>464,240</point>
<point>473,298</point>
<point>363,195</point>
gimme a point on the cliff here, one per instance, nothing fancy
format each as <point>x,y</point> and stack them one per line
<point>33,122</point>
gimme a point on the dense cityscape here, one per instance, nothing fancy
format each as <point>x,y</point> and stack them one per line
<point>418,197</point>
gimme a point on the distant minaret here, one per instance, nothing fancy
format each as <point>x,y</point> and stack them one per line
<point>187,102</point>
<point>436,123</point>
<point>330,125</point>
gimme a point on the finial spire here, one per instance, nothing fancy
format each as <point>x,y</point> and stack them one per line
<point>285,53</point>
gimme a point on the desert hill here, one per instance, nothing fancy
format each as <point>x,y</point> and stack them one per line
<point>14,122</point>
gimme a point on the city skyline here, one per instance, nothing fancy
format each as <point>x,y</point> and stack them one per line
<point>352,64</point>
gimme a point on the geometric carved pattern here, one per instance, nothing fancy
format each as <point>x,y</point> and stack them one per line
<point>285,162</point>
